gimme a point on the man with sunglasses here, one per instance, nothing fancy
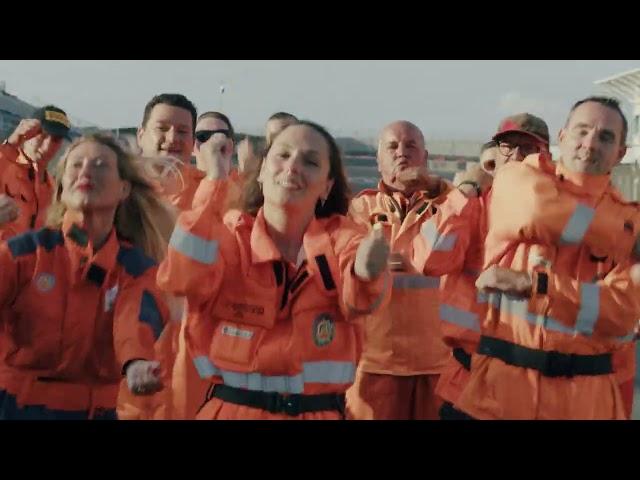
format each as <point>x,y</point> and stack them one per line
<point>188,389</point>
<point>25,185</point>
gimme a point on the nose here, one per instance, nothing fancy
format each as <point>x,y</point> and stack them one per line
<point>293,163</point>
<point>517,154</point>
<point>401,150</point>
<point>590,140</point>
<point>171,136</point>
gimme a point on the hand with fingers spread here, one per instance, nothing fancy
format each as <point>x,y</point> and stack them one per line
<point>26,129</point>
<point>9,210</point>
<point>143,377</point>
<point>372,255</point>
<point>216,155</point>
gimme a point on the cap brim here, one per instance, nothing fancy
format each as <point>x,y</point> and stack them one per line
<point>497,136</point>
<point>56,131</point>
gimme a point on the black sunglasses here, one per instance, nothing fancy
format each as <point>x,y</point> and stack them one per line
<point>203,135</point>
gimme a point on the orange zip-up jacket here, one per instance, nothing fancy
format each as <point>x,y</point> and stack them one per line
<point>189,389</point>
<point>255,323</point>
<point>30,188</point>
<point>405,338</point>
<point>577,233</point>
<point>462,309</point>
<point>74,317</point>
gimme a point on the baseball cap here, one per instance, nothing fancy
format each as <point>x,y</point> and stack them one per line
<point>524,123</point>
<point>54,121</point>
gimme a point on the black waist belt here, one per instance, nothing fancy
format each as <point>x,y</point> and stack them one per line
<point>463,358</point>
<point>291,405</point>
<point>549,363</point>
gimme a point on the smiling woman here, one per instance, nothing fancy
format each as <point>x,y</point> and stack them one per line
<point>275,290</point>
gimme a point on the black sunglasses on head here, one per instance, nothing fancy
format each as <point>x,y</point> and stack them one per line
<point>203,135</point>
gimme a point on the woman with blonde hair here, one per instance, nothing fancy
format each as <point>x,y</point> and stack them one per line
<point>80,305</point>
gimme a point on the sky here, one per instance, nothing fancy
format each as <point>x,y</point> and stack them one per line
<point>447,99</point>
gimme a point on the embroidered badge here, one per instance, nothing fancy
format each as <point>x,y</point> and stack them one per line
<point>323,330</point>
<point>45,282</point>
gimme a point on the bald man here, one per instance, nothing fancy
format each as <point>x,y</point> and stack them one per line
<point>426,223</point>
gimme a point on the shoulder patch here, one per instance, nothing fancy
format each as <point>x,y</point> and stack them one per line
<point>27,243</point>
<point>134,261</point>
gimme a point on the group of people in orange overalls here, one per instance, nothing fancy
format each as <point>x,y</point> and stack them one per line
<point>136,284</point>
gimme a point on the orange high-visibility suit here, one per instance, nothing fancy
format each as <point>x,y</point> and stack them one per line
<point>74,318</point>
<point>549,356</point>
<point>276,340</point>
<point>30,186</point>
<point>461,311</point>
<point>403,350</point>
<point>189,390</point>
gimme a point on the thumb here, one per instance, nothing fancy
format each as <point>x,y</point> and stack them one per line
<point>378,232</point>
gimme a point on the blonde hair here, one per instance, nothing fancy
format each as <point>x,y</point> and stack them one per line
<point>142,219</point>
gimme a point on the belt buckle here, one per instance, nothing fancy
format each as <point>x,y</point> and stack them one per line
<point>289,404</point>
<point>559,364</point>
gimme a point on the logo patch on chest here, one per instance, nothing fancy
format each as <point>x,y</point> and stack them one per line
<point>45,282</point>
<point>323,330</point>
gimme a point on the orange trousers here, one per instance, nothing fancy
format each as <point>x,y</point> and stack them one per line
<point>392,397</point>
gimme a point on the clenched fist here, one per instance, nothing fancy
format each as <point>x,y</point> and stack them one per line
<point>418,178</point>
<point>143,377</point>
<point>498,279</point>
<point>26,129</point>
<point>215,155</point>
<point>372,255</point>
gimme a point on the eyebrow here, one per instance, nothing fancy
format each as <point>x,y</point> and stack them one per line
<point>305,152</point>
<point>169,122</point>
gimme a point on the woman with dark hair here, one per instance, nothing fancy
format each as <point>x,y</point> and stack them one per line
<point>276,290</point>
<point>79,301</point>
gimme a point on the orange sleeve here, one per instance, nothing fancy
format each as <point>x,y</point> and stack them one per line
<point>194,266</point>
<point>207,188</point>
<point>139,317</point>
<point>609,307</point>
<point>529,205</point>
<point>358,297</point>
<point>8,154</point>
<point>9,273</point>
<point>442,243</point>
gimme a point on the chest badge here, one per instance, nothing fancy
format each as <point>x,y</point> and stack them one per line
<point>323,330</point>
<point>45,282</point>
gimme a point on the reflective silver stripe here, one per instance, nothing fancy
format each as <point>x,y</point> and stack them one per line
<point>589,308</point>
<point>627,338</point>
<point>520,307</point>
<point>332,372</point>
<point>329,372</point>
<point>204,367</point>
<point>492,298</point>
<point>264,383</point>
<point>577,225</point>
<point>438,242</point>
<point>415,281</point>
<point>460,317</point>
<point>192,246</point>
